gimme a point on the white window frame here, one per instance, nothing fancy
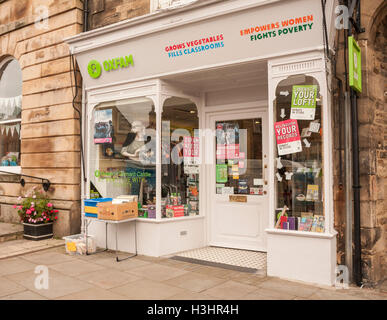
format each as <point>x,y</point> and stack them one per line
<point>10,169</point>
<point>157,5</point>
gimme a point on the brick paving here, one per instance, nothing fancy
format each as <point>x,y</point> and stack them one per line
<point>99,276</point>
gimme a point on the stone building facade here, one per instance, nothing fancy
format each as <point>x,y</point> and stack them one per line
<point>50,135</point>
<point>372,115</point>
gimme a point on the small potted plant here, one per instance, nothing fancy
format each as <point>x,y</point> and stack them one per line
<point>37,215</point>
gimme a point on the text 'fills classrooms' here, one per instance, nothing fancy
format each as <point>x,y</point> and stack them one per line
<point>195,46</point>
<point>278,28</point>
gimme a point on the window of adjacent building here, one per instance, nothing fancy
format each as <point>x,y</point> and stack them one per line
<point>164,4</point>
<point>299,160</point>
<point>10,113</point>
<point>180,159</point>
<point>123,153</point>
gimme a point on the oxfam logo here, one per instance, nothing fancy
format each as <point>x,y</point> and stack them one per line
<point>94,68</point>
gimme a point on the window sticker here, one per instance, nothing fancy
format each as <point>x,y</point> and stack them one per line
<point>303,102</point>
<point>288,137</point>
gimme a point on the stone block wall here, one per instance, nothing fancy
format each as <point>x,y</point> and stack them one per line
<point>50,130</point>
<point>105,12</point>
<point>372,115</point>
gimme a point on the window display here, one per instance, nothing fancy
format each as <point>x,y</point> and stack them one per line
<point>123,155</point>
<point>10,113</point>
<point>180,159</point>
<point>299,145</point>
<point>239,157</point>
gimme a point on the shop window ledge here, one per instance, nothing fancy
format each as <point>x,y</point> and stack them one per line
<point>296,233</point>
<point>165,220</point>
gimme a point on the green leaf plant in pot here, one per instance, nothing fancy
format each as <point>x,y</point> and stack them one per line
<point>37,214</point>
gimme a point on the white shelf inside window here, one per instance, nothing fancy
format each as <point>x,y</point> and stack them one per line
<point>10,169</point>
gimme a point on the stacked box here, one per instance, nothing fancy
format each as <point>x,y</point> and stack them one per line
<point>119,211</point>
<point>90,205</point>
<point>178,211</point>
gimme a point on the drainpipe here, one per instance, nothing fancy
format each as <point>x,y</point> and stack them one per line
<point>82,126</point>
<point>85,15</point>
<point>357,268</point>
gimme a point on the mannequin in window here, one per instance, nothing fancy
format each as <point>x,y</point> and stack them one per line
<point>143,175</point>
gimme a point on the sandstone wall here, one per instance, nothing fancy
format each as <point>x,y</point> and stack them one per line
<point>50,133</point>
<point>372,114</point>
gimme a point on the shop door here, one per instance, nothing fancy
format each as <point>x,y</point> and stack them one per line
<point>238,199</point>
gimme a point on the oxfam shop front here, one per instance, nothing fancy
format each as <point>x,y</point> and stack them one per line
<point>215,120</point>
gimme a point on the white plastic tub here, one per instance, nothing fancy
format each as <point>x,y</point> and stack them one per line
<point>76,244</point>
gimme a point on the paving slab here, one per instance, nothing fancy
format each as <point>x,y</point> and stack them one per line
<point>157,272</point>
<point>288,287</point>
<point>16,248</point>
<point>146,289</point>
<point>24,295</point>
<point>8,287</point>
<point>230,290</point>
<point>15,265</point>
<point>108,278</point>
<point>195,282</point>
<point>93,294</point>
<point>58,284</point>
<point>76,267</point>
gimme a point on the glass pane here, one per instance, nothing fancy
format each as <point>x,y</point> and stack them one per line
<point>299,163</point>
<point>239,157</point>
<point>180,158</point>
<point>123,153</point>
<point>10,144</point>
<point>10,90</point>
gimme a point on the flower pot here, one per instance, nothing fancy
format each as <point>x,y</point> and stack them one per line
<point>38,231</point>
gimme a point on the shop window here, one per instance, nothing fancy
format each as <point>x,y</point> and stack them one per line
<point>299,161</point>
<point>180,159</point>
<point>10,114</point>
<point>239,157</point>
<point>123,153</point>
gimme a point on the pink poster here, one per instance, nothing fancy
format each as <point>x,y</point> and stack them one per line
<point>288,137</point>
<point>191,150</point>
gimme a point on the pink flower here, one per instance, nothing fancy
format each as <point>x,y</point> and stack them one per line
<point>32,204</point>
<point>49,204</point>
<point>34,196</point>
<point>14,206</point>
<point>28,211</point>
<point>19,198</point>
<point>56,211</point>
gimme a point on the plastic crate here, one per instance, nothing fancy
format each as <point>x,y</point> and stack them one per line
<point>93,202</point>
<point>76,244</point>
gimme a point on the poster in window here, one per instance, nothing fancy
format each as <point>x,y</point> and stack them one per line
<point>288,137</point>
<point>303,102</point>
<point>191,150</point>
<point>221,173</point>
<point>103,126</point>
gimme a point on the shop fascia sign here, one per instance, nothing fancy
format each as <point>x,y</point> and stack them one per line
<point>94,67</point>
<point>354,57</point>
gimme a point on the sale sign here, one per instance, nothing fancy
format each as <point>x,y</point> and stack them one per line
<point>288,137</point>
<point>303,102</point>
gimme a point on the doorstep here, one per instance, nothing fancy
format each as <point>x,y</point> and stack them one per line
<point>10,231</point>
<point>19,247</point>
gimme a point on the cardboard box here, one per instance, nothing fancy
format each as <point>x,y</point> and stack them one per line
<point>122,211</point>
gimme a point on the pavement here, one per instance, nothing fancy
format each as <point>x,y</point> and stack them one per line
<point>100,277</point>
